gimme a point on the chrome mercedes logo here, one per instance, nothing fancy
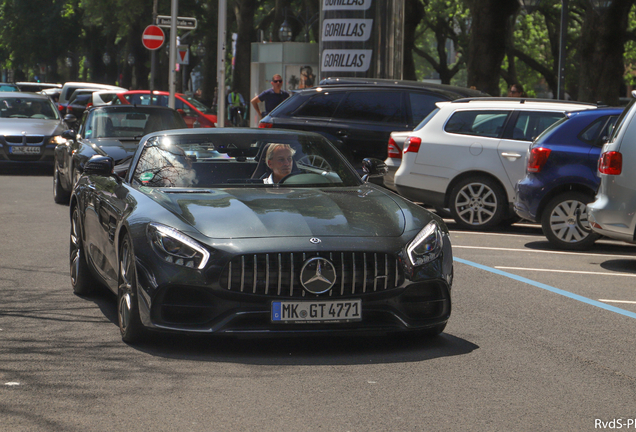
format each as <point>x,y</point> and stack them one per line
<point>318,275</point>
<point>314,240</point>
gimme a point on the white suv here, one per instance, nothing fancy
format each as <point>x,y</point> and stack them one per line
<point>470,155</point>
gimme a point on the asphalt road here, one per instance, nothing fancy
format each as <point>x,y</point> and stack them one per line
<point>539,340</point>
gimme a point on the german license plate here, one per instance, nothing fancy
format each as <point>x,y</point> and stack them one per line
<point>24,150</point>
<point>317,311</point>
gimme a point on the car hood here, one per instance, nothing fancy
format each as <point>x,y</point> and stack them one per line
<point>285,212</point>
<point>15,126</point>
<point>115,148</point>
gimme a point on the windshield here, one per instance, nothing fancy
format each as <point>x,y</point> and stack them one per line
<point>16,107</point>
<point>198,105</point>
<point>130,123</point>
<point>240,160</point>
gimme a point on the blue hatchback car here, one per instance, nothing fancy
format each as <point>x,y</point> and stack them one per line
<point>561,177</point>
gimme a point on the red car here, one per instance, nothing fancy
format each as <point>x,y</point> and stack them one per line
<point>194,112</point>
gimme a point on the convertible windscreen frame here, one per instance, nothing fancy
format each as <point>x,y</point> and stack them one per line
<point>225,160</point>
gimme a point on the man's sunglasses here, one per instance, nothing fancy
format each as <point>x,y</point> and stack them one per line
<point>277,81</point>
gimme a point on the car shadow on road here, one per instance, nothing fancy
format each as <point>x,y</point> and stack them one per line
<point>605,247</point>
<point>296,350</point>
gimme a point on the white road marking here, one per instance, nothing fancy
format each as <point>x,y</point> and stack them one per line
<point>541,251</point>
<point>12,383</point>
<point>567,271</point>
<point>617,301</point>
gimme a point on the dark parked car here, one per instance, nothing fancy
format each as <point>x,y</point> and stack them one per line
<point>561,176</point>
<point>192,239</point>
<point>358,115</point>
<point>36,87</point>
<point>108,131</point>
<point>31,127</point>
<point>77,104</point>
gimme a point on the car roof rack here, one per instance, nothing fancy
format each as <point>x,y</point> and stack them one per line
<point>521,100</point>
<point>353,81</point>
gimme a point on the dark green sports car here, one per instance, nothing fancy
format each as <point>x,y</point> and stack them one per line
<point>235,231</point>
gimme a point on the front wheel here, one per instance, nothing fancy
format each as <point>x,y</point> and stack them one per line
<point>130,326</point>
<point>478,203</point>
<point>81,277</point>
<point>564,221</point>
<point>60,195</point>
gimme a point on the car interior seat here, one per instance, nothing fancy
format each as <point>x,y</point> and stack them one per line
<point>518,134</point>
<point>262,170</point>
<point>153,124</point>
<point>109,129</point>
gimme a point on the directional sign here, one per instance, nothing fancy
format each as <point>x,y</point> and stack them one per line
<point>152,37</point>
<point>185,23</point>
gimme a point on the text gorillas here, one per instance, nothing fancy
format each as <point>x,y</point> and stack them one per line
<point>344,29</point>
<point>344,60</point>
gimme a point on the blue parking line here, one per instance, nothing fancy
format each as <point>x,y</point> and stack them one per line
<point>549,288</point>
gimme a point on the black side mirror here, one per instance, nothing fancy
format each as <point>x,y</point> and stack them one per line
<point>99,165</point>
<point>373,167</point>
<point>69,134</point>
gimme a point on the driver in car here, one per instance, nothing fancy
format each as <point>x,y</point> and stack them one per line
<point>280,159</point>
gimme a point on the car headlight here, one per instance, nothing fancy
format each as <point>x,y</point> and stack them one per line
<point>176,248</point>
<point>426,246</point>
<point>57,139</point>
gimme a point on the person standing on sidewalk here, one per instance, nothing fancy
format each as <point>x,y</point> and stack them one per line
<point>272,97</point>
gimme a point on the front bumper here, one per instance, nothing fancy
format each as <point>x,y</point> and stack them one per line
<point>175,299</point>
<point>28,152</point>
<point>611,219</point>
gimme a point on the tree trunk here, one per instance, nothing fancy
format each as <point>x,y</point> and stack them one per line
<point>413,14</point>
<point>244,11</point>
<point>487,46</point>
<point>602,48</point>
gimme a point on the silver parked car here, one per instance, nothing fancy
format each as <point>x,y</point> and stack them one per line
<point>30,126</point>
<point>613,213</point>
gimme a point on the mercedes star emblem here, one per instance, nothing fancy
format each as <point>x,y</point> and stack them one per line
<point>318,275</point>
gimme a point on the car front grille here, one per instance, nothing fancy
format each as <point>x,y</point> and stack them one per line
<point>278,274</point>
<point>22,139</point>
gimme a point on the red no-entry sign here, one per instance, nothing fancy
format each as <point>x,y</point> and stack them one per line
<point>152,37</point>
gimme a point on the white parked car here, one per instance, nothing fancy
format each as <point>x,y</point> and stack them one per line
<point>471,153</point>
<point>395,148</point>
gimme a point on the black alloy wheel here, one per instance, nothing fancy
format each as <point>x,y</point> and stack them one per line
<point>130,326</point>
<point>82,279</point>
<point>60,195</point>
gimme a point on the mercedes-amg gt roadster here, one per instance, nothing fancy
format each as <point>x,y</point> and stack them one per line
<point>237,231</point>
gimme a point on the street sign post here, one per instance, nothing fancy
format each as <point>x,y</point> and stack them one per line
<point>184,23</point>
<point>152,37</point>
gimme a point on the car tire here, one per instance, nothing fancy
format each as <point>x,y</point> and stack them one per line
<point>130,326</point>
<point>82,279</point>
<point>60,195</point>
<point>561,225</point>
<point>478,203</point>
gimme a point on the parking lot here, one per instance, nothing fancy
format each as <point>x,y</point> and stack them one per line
<point>538,339</point>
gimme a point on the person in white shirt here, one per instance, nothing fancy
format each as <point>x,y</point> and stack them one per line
<point>280,159</point>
